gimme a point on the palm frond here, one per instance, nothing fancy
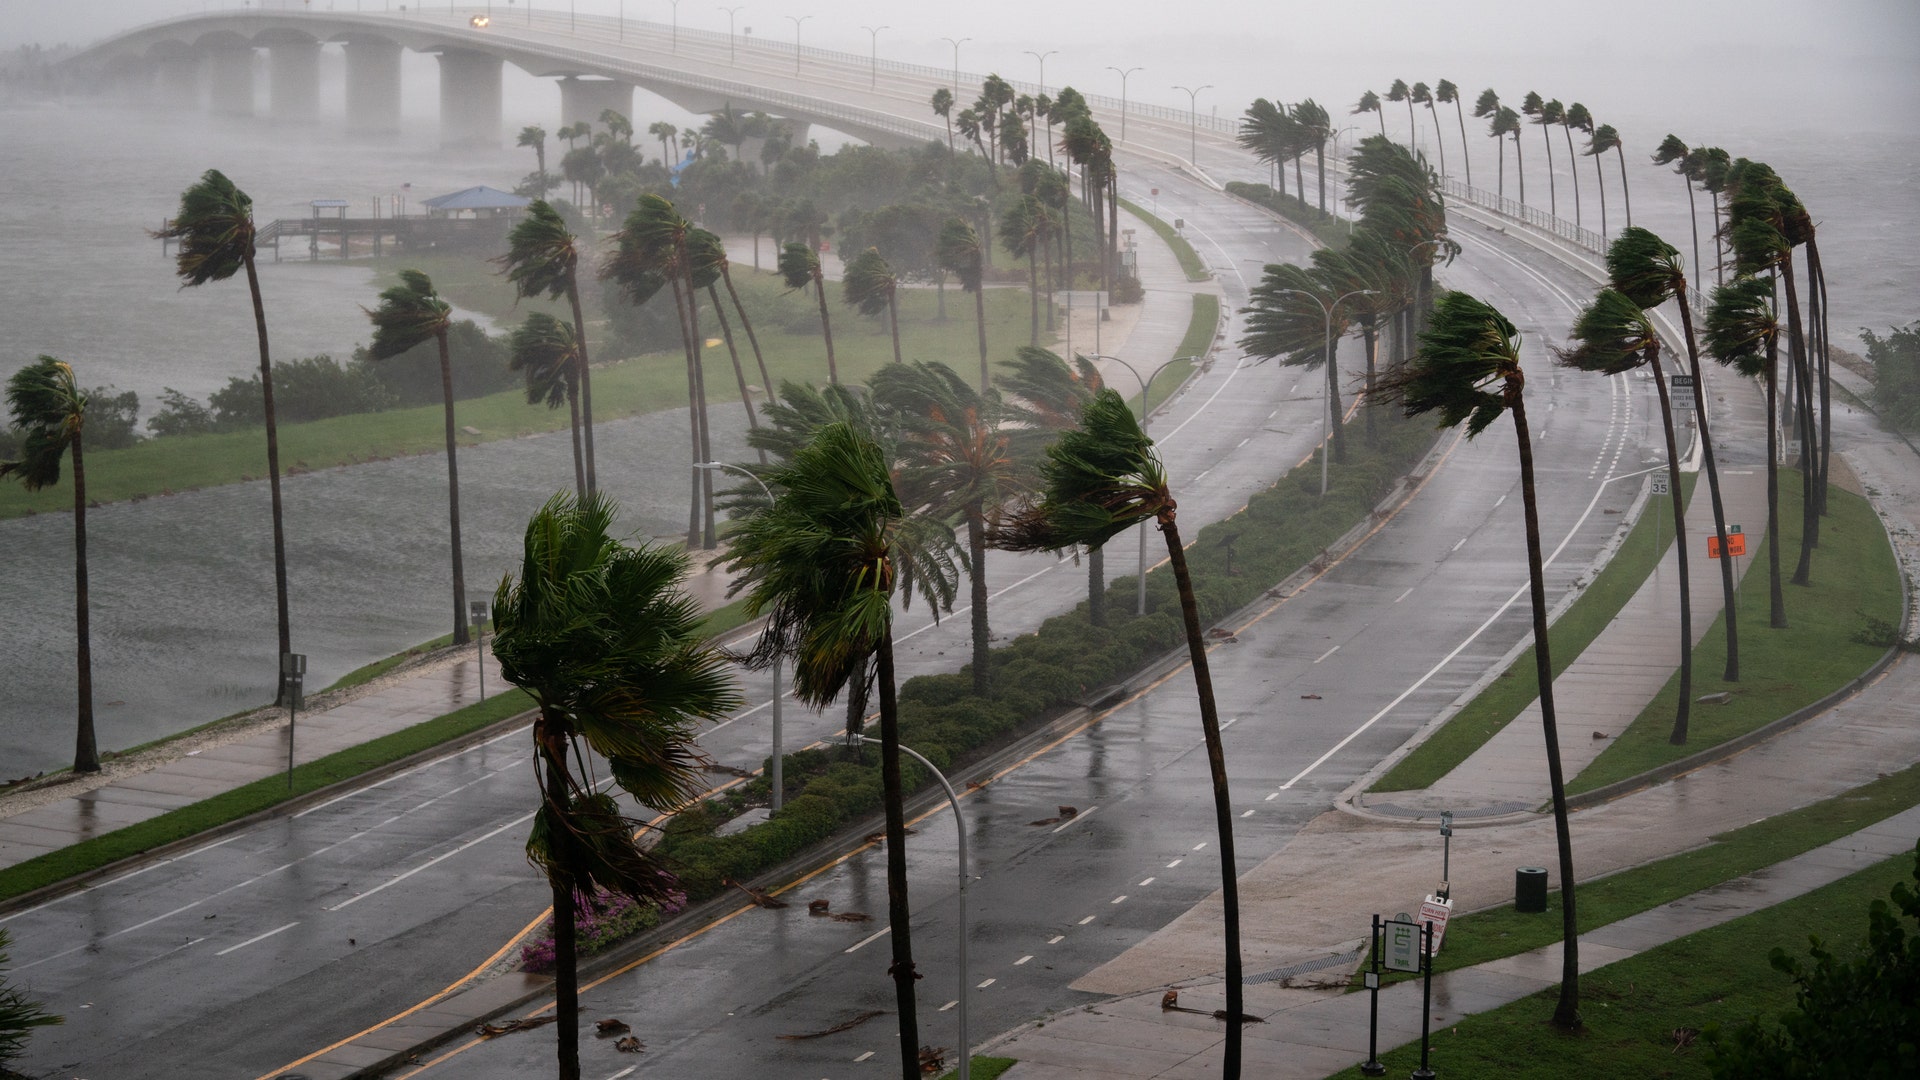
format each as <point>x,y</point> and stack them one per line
<point>1467,348</point>
<point>409,313</point>
<point>1610,335</point>
<point>50,409</point>
<point>1741,325</point>
<point>214,226</point>
<point>1644,267</point>
<point>542,254</point>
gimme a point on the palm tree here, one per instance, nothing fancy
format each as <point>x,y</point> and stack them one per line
<point>1610,336</point>
<point>1099,481</point>
<point>668,133</point>
<point>870,285</point>
<point>1285,320</point>
<point>1507,122</point>
<point>1647,270</point>
<point>1399,92</point>
<point>960,252</point>
<point>1315,128</point>
<point>1715,164</point>
<point>1424,96</point>
<point>609,646</point>
<point>535,137</point>
<point>1378,283</point>
<point>1445,91</point>
<point>1046,397</point>
<point>1468,369</point>
<point>1672,151</point>
<point>410,314</point>
<point>1743,333</point>
<point>800,267</point>
<point>1575,118</point>
<point>1489,107</point>
<point>543,256</point>
<point>1370,103</point>
<point>214,227</point>
<point>1536,111</point>
<point>943,108</point>
<point>547,352</point>
<point>710,264</point>
<point>1269,132</point>
<point>1605,139</point>
<point>1024,232</point>
<point>50,410</point>
<point>822,564</point>
<point>957,447</point>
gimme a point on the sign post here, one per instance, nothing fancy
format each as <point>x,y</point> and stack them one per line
<point>1372,1066</point>
<point>1425,1071</point>
<point>1736,543</point>
<point>477,610</point>
<point>293,674</point>
<point>1682,387</point>
<point>1446,853</point>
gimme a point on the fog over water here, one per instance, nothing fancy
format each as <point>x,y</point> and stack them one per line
<point>182,589</point>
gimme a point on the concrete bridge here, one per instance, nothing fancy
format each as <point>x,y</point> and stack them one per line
<point>207,61</point>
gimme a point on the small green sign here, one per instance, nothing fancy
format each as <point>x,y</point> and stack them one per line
<point>1402,944</point>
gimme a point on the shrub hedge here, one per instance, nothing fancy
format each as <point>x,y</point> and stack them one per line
<point>1331,231</point>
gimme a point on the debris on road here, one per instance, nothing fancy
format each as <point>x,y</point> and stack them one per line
<point>508,1027</point>
<point>629,1045</point>
<point>760,897</point>
<point>610,1026</point>
<point>844,1025</point>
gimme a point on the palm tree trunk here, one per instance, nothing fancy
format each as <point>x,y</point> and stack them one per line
<point>273,478</point>
<point>1600,177</point>
<point>739,373</point>
<point>1501,191</point>
<point>1066,243</point>
<point>1626,193</point>
<point>1033,294</point>
<point>86,752</point>
<point>1412,136</point>
<point>1320,166</point>
<point>1222,802</point>
<point>1566,1014</point>
<point>1520,167</point>
<point>1370,336</point>
<point>1693,217</point>
<point>1776,596</point>
<point>566,972</point>
<point>826,325</point>
<point>898,912</point>
<point>1336,411</point>
<point>893,321</point>
<point>460,636</point>
<point>1803,415</point>
<point>586,380</point>
<point>1113,226</point>
<point>1439,143</point>
<point>1300,177</point>
<point>1573,167</point>
<point>708,533</point>
<point>1817,290</point>
<point>1046,249</point>
<point>980,321</point>
<point>977,583</point>
<point>766,380</point>
<point>1727,591</point>
<point>1097,585</point>
<point>579,460</point>
<point>1460,114</point>
<point>695,472</point>
<point>1553,197</point>
<point>1683,711</point>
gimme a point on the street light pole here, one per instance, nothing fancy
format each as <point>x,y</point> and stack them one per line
<point>1042,57</point>
<point>1193,122</point>
<point>778,778</point>
<point>956,61</point>
<point>796,20</point>
<point>1146,387</point>
<point>731,12</point>
<point>1123,96</point>
<point>966,1053</point>
<point>1326,394</point>
<point>873,58</point>
<point>675,39</point>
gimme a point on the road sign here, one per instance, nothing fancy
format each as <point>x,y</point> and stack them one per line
<point>1682,386</point>
<point>1660,484</point>
<point>1736,544</point>
<point>1401,943</point>
<point>1435,911</point>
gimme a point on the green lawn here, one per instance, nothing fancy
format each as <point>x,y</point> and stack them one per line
<point>1189,258</point>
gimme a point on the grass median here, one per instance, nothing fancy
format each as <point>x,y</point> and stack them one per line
<point>1189,258</point>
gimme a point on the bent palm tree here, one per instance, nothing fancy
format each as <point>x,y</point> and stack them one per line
<point>1672,151</point>
<point>535,137</point>
<point>545,351</point>
<point>1100,481</point>
<point>1546,114</point>
<point>608,645</point>
<point>543,256</point>
<point>960,252</point>
<point>1610,336</point>
<point>1743,333</point>
<point>1421,95</point>
<point>1446,92</point>
<point>1399,92</point>
<point>1285,320</point>
<point>1468,369</point>
<point>870,285</point>
<point>799,268</point>
<point>1047,398</point>
<point>1370,103</point>
<point>1507,122</point>
<point>214,226</point>
<point>823,563</point>
<point>410,314</point>
<point>50,410</point>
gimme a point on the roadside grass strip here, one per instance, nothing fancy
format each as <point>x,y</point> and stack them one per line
<point>1825,645</point>
<point>1518,687</point>
<point>1189,258</point>
<point>982,1068</point>
<point>1644,1015</point>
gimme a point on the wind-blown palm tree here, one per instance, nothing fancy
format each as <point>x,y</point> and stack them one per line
<point>1743,333</point>
<point>710,255</point>
<point>1647,270</point>
<point>1315,127</point>
<point>543,256</point>
<point>1488,108</point>
<point>960,252</point>
<point>1099,481</point>
<point>668,133</point>
<point>214,226</point>
<point>1507,122</point>
<point>608,645</point>
<point>1399,92</point>
<point>1370,103</point>
<point>1604,139</point>
<point>1715,165</point>
<point>1612,335</point>
<point>1686,165</point>
<point>1468,369</point>
<point>1420,94</point>
<point>1377,282</point>
<point>823,563</point>
<point>534,137</point>
<point>943,108</point>
<point>1044,396</point>
<point>799,268</point>
<point>1546,114</point>
<point>1575,117</point>
<point>870,285</point>
<point>1024,229</point>
<point>1446,92</point>
<point>50,410</point>
<point>410,314</point>
<point>958,461</point>
<point>547,353</point>
<point>1285,320</point>
<point>1270,133</point>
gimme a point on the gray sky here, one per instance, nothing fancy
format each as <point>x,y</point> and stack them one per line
<point>1622,57</point>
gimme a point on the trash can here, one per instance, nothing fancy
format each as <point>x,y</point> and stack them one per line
<point>1530,890</point>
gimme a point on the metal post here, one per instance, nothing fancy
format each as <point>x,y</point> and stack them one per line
<point>960,827</point>
<point>796,20</point>
<point>1042,57</point>
<point>1123,97</point>
<point>1193,122</point>
<point>1326,407</point>
<point>477,612</point>
<point>731,12</point>
<point>293,670</point>
<point>1372,1066</point>
<point>956,63</point>
<point>1446,853</point>
<point>778,777</point>
<point>1146,387</point>
<point>1424,1072</point>
<point>873,56</point>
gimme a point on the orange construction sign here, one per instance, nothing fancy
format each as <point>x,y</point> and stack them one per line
<point>1736,545</point>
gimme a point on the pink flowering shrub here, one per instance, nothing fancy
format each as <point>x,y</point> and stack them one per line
<point>600,922</point>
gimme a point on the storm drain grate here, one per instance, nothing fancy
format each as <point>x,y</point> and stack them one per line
<point>1299,969</point>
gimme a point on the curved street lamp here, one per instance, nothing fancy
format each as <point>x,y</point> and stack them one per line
<point>1193,122</point>
<point>1326,398</point>
<point>779,686</point>
<point>1042,57</point>
<point>1146,387</point>
<point>956,43</point>
<point>873,57</point>
<point>731,12</point>
<point>796,20</point>
<point>1124,72</point>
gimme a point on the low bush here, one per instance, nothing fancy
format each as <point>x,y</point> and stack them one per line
<point>600,922</point>
<point>1328,228</point>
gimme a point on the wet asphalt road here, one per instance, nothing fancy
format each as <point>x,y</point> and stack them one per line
<point>278,941</point>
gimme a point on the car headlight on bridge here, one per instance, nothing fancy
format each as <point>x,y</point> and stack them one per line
<point>480,22</point>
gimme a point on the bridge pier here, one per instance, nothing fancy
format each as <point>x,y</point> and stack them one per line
<point>373,86</point>
<point>469,99</point>
<point>585,99</point>
<point>230,79</point>
<point>293,81</point>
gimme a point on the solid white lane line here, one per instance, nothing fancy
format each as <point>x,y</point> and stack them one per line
<point>1328,653</point>
<point>260,937</point>
<point>1081,816</point>
<point>945,1007</point>
<point>991,596</point>
<point>868,940</point>
<point>1499,500</point>
<point>628,1071</point>
<point>1404,595</point>
<point>436,860</point>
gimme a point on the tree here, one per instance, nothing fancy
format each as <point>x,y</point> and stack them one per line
<point>943,108</point>
<point>1604,138</point>
<point>1399,92</point>
<point>1377,282</point>
<point>535,137</point>
<point>1488,107</point>
<point>1610,336</point>
<point>1285,320</point>
<point>1099,481</point>
<point>19,1014</point>
<point>609,646</point>
<point>870,285</point>
<point>543,256</point>
<point>1445,91</point>
<point>1025,231</point>
<point>1647,270</point>
<point>411,313</point>
<point>1269,132</point>
<point>823,564</point>
<point>1575,116</point>
<point>1896,367</point>
<point>1468,370</point>
<point>1370,103</point>
<point>709,254</point>
<point>1715,165</point>
<point>1315,128</point>
<point>1686,165</point>
<point>960,251</point>
<point>214,227</point>
<point>800,267</point>
<point>668,133</point>
<point>1507,122</point>
<point>50,410</point>
<point>1743,333</point>
<point>1044,396</point>
<point>1544,114</point>
<point>1422,95</point>
<point>1853,1011</point>
<point>546,352</point>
